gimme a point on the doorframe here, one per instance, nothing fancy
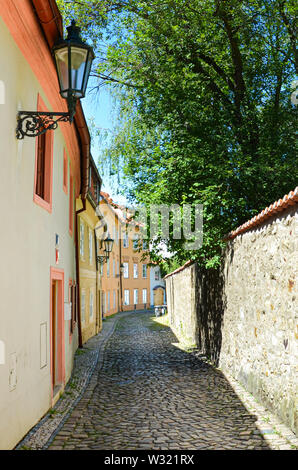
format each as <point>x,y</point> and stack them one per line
<point>57,274</point>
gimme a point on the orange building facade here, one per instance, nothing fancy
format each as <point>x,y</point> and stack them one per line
<point>125,276</point>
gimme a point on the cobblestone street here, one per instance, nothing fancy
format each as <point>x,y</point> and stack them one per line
<point>149,394</point>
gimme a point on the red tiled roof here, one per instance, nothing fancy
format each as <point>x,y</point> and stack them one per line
<point>188,263</point>
<point>287,201</point>
<point>278,206</point>
<point>119,210</point>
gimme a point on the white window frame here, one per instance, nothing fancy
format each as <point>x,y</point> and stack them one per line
<point>82,238</point>
<point>114,268</point>
<point>108,267</point>
<point>135,270</point>
<point>136,243</point>
<point>135,296</point>
<point>144,296</point>
<point>125,270</point>
<point>109,301</point>
<point>125,240</point>
<point>145,267</point>
<point>126,296</point>
<point>114,298</point>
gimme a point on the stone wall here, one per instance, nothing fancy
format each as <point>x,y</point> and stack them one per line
<point>182,308</point>
<point>244,315</point>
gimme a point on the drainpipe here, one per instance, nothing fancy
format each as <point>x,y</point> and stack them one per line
<point>78,272</point>
<point>120,261</point>
<point>97,325</point>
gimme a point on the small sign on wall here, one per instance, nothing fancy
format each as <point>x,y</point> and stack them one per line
<point>2,352</point>
<point>67,310</point>
<point>57,248</point>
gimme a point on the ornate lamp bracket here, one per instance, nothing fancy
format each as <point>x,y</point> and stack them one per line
<point>101,259</point>
<point>35,123</point>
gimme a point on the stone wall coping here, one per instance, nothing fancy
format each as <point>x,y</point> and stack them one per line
<point>287,201</point>
<point>181,268</point>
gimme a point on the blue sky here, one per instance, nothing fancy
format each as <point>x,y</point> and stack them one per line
<point>98,105</point>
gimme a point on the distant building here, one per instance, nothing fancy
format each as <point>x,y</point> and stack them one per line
<point>126,275</point>
<point>157,287</point>
<point>89,275</point>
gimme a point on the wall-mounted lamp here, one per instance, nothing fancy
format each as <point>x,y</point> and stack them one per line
<point>73,60</point>
<point>108,244</point>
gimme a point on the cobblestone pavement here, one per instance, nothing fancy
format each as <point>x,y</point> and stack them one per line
<point>84,363</point>
<point>149,394</point>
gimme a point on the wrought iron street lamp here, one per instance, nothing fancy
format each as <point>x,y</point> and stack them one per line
<point>108,243</point>
<point>73,60</point>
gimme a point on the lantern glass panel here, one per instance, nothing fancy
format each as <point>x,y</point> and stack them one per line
<point>87,71</point>
<point>108,245</point>
<point>78,63</point>
<point>61,56</point>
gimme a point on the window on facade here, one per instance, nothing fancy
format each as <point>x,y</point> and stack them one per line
<point>40,166</point>
<point>83,305</point>
<point>101,269</point>
<point>90,246</point>
<point>82,237</point>
<point>117,267</point>
<point>125,271</point>
<point>135,270</point>
<point>65,171</point>
<point>114,268</point>
<point>108,267</point>
<point>91,305</point>
<point>125,240</point>
<point>71,211</point>
<point>43,177</point>
<point>156,275</point>
<point>43,171</point>
<point>126,296</point>
<point>144,271</point>
<point>135,296</point>
<point>109,301</point>
<point>114,299</point>
<point>145,245</point>
<point>144,296</point>
<point>136,243</point>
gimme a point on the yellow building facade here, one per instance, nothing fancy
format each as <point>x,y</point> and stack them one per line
<point>126,275</point>
<point>89,275</point>
<point>40,179</point>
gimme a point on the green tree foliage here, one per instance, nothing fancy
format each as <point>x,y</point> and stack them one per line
<point>205,114</point>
